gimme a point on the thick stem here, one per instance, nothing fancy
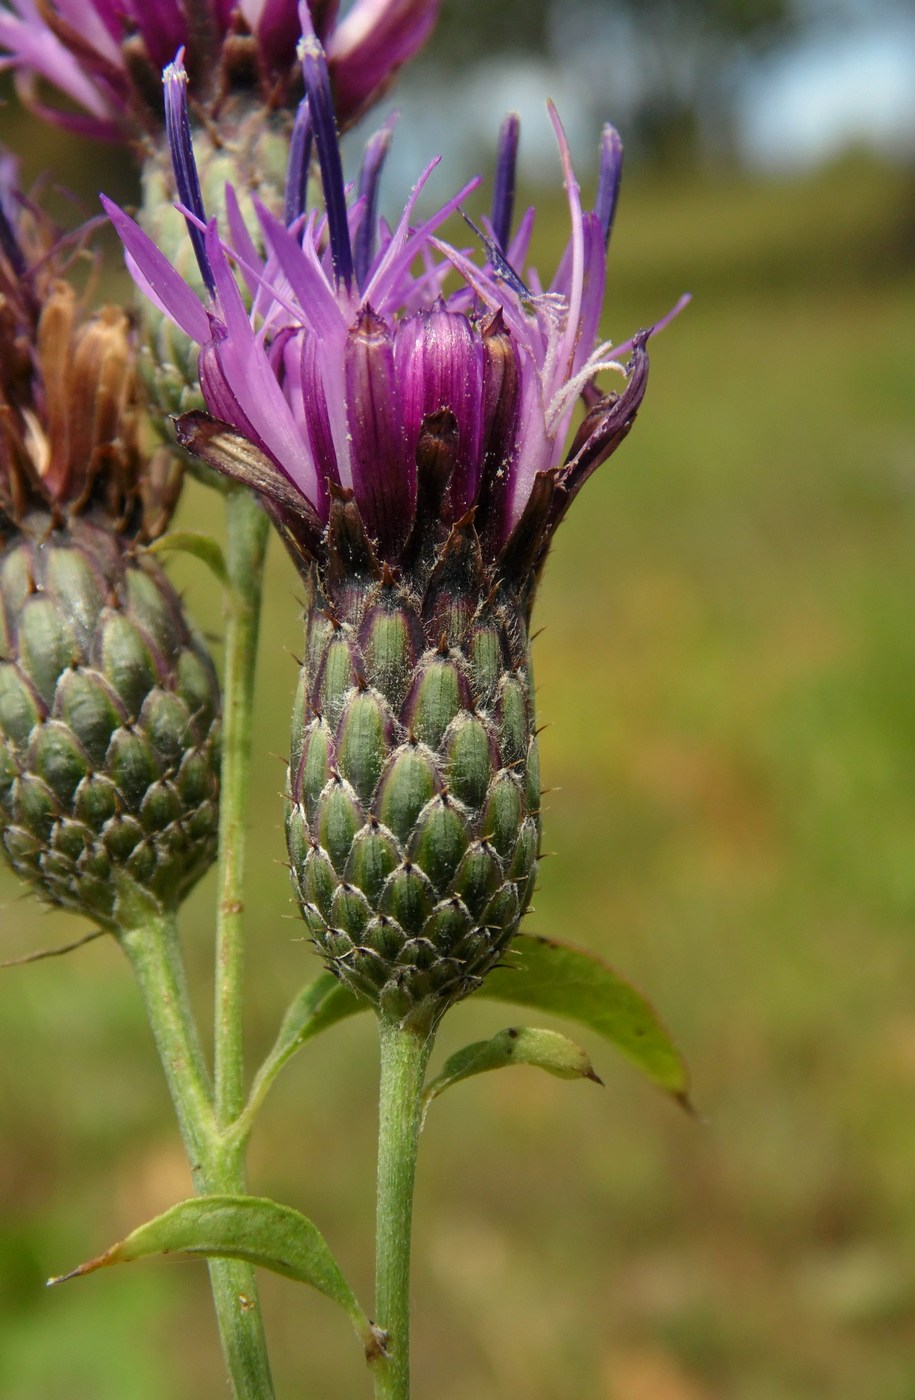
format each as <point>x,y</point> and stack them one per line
<point>248,529</point>
<point>404,1056</point>
<point>154,953</point>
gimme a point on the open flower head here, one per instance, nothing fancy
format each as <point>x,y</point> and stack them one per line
<point>402,405</point>
<point>348,363</point>
<point>104,57</point>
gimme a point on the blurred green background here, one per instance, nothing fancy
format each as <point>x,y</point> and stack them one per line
<point>727,669</point>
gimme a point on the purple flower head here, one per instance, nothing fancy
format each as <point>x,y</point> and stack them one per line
<point>105,56</point>
<point>350,374</point>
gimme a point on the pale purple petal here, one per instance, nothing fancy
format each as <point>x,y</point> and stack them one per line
<point>157,278</point>
<point>250,378</point>
<point>319,305</point>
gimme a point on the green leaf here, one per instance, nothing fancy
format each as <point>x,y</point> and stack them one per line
<point>318,1006</point>
<point>568,981</point>
<point>516,1045</point>
<point>252,1228</point>
<point>203,547</point>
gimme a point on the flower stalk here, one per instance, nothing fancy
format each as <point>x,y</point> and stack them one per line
<point>247,530</point>
<point>405,1052</point>
<point>153,950</point>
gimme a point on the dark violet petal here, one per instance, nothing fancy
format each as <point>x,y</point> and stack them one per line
<point>317,84</point>
<point>608,183</point>
<point>376,151</point>
<point>167,288</point>
<point>440,366</point>
<point>372,41</point>
<point>503,194</point>
<point>296,194</point>
<point>181,148</point>
<point>384,478</point>
<point>316,416</point>
<point>605,425</point>
<point>501,402</point>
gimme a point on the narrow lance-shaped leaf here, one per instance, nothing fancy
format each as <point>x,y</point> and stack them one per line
<point>254,1229</point>
<point>571,982</point>
<point>516,1045</point>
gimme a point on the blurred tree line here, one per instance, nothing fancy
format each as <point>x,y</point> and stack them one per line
<point>670,69</point>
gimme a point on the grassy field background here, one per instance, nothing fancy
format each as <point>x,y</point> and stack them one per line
<point>728,670</point>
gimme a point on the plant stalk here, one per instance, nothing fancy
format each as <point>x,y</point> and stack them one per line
<point>404,1055</point>
<point>247,528</point>
<point>153,949</point>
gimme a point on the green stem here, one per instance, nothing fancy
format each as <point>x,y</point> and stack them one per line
<point>154,953</point>
<point>404,1055</point>
<point>247,528</point>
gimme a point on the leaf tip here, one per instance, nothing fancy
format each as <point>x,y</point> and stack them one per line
<point>89,1267</point>
<point>681,1097</point>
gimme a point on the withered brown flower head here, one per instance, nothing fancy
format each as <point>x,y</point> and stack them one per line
<point>70,402</point>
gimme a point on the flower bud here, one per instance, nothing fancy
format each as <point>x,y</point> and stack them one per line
<point>109,705</point>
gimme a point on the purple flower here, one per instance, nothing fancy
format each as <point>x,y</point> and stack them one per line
<point>106,56</point>
<point>351,374</point>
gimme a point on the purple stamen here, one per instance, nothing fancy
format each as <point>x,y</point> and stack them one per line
<point>376,151</point>
<point>296,195</point>
<point>317,85</point>
<point>503,195</point>
<point>181,147</point>
<point>608,183</point>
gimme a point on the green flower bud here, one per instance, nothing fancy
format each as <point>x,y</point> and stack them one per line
<point>414,791</point>
<point>109,704</point>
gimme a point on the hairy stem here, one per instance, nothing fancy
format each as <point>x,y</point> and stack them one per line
<point>404,1055</point>
<point>248,529</point>
<point>154,953</point>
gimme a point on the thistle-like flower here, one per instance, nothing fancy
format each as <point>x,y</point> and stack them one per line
<point>410,444</point>
<point>109,728</point>
<point>106,56</point>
